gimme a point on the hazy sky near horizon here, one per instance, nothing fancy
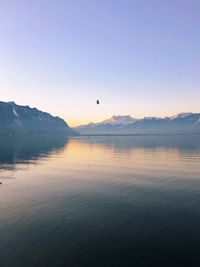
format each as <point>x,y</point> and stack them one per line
<point>138,57</point>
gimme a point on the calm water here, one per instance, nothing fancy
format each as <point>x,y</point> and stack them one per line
<point>100,201</point>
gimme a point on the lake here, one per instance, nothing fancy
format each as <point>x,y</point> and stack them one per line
<point>100,201</point>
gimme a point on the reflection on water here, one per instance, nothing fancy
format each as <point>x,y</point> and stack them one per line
<point>27,149</point>
<point>100,201</point>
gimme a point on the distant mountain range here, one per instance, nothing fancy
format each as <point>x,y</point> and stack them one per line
<point>23,119</point>
<point>182,123</point>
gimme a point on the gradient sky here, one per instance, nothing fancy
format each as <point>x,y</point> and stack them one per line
<point>139,57</point>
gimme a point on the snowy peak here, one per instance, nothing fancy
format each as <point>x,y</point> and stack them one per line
<point>181,115</point>
<point>116,120</point>
<point>181,123</point>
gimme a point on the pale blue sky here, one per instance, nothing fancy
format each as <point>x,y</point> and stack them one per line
<point>139,57</point>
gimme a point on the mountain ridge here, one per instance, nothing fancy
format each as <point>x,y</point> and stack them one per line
<point>24,119</point>
<point>185,122</point>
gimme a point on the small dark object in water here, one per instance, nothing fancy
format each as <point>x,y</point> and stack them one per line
<point>98,102</point>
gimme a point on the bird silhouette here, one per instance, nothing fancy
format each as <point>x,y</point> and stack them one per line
<point>98,102</point>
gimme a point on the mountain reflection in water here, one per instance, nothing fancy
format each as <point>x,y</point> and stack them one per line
<point>28,148</point>
<point>100,201</point>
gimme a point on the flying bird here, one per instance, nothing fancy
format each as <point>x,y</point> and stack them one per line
<point>98,102</point>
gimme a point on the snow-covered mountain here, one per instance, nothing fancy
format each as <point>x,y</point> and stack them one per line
<point>119,120</point>
<point>180,123</point>
<point>23,119</point>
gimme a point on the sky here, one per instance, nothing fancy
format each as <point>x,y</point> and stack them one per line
<point>138,57</point>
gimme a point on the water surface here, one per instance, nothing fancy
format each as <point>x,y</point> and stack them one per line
<point>100,201</point>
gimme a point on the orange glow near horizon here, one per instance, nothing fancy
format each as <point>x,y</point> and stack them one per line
<point>77,122</point>
<point>74,122</point>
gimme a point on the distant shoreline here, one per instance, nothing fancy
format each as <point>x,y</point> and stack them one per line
<point>142,134</point>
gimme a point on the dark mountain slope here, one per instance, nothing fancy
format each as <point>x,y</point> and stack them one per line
<point>23,119</point>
